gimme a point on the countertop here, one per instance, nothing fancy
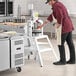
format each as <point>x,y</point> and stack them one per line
<point>13,24</point>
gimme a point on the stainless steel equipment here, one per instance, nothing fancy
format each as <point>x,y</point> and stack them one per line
<point>4,53</point>
<point>11,51</point>
<point>32,28</point>
<point>6,7</point>
<point>17,52</point>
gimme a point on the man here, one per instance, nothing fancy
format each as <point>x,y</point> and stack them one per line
<point>61,15</point>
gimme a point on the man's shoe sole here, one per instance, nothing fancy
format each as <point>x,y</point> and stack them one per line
<point>59,63</point>
<point>70,63</point>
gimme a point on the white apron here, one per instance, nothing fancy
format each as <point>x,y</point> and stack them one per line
<point>58,35</point>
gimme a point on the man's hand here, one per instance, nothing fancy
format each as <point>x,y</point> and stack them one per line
<point>44,23</point>
<point>39,27</point>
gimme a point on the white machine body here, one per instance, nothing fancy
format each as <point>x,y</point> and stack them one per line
<point>17,51</point>
<point>4,54</point>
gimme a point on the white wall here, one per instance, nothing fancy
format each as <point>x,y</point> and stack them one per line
<point>22,4</point>
<point>41,7</point>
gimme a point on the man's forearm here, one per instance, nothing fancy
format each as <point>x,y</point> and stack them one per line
<point>45,22</point>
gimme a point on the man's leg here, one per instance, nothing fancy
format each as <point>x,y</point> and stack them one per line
<point>62,53</point>
<point>62,50</point>
<point>71,48</point>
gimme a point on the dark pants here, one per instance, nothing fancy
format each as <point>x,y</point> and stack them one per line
<point>68,38</point>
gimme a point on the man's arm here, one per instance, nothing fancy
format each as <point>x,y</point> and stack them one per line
<point>44,23</point>
<point>49,19</point>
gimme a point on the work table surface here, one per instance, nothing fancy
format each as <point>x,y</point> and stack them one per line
<point>13,24</point>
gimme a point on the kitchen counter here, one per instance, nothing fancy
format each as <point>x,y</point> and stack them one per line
<point>13,24</point>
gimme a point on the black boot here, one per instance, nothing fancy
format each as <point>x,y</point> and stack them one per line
<point>62,56</point>
<point>59,63</point>
<point>70,62</point>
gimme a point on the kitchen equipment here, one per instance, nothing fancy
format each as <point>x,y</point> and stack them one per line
<point>19,20</point>
<point>4,53</point>
<point>6,7</point>
<point>11,51</point>
<point>17,52</point>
